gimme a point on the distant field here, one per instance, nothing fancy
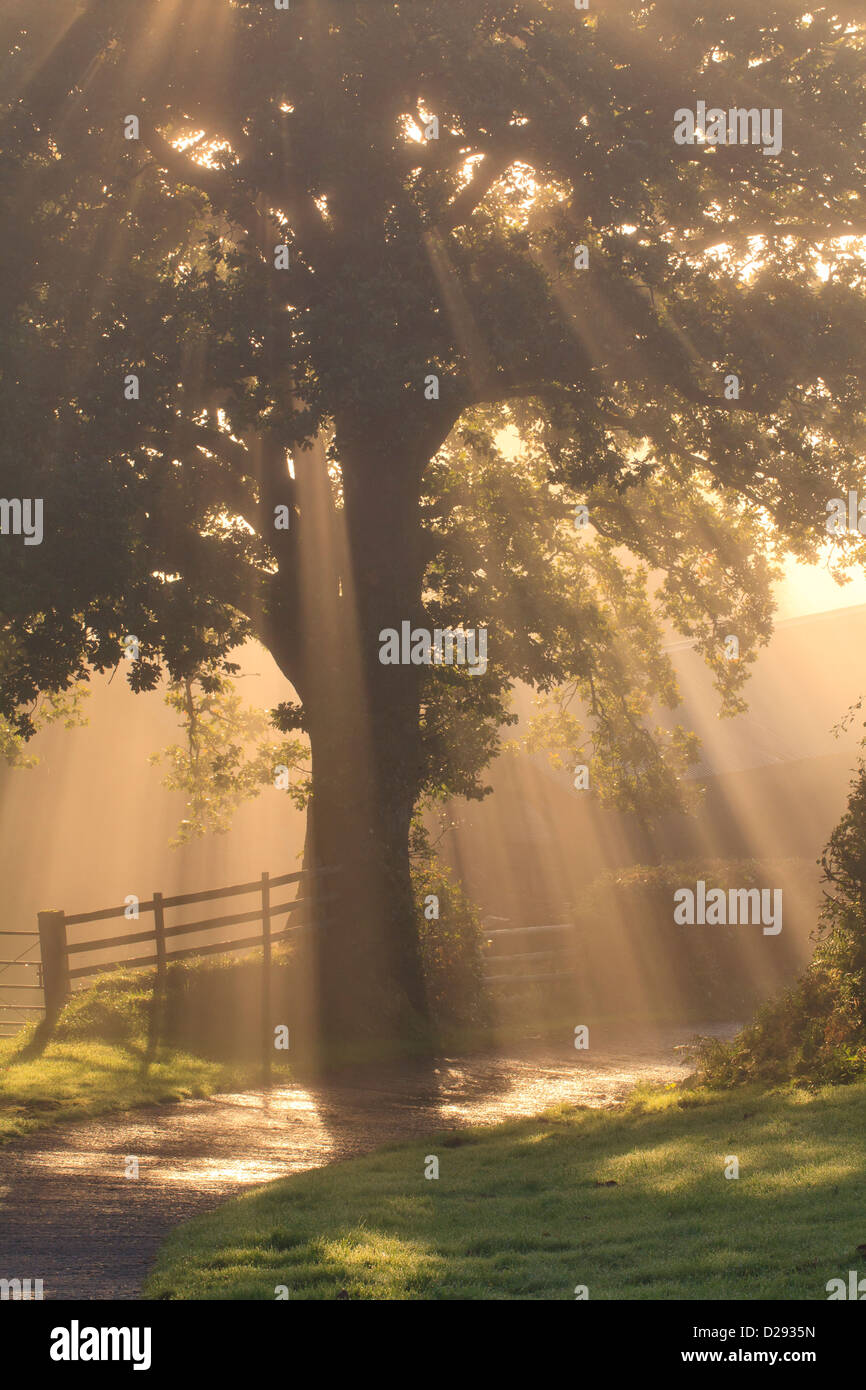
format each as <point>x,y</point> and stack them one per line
<point>633,1204</point>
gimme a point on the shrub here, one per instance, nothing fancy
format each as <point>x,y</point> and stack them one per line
<point>451,946</point>
<point>115,1008</point>
<point>210,1007</point>
<point>815,1033</point>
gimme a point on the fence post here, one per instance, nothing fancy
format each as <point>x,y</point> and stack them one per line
<point>267,1036</point>
<point>159,933</point>
<point>55,963</point>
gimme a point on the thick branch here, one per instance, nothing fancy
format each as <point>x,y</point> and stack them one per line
<point>468,199</point>
<point>230,195</point>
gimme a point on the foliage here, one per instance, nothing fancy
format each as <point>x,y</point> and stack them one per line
<point>451,942</point>
<point>629,944</point>
<point>408,257</point>
<point>114,1008</point>
<point>816,1031</point>
<point>53,707</point>
<point>227,758</point>
<point>300,392</point>
<point>210,1007</point>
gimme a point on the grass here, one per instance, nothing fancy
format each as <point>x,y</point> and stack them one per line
<point>78,1079</point>
<point>633,1204</point>
<point>100,1060</point>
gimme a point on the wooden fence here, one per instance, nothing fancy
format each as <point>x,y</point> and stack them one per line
<point>555,960</point>
<point>58,969</point>
<point>553,956</point>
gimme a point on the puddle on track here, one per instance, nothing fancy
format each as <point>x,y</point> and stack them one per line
<point>69,1216</point>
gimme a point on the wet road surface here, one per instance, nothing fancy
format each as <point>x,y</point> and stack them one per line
<point>70,1216</point>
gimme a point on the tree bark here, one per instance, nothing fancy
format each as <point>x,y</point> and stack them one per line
<point>368,974</point>
<point>360,570</point>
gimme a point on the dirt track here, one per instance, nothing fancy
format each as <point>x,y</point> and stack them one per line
<point>69,1216</point>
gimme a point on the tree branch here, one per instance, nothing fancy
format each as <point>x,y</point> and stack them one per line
<point>229,193</point>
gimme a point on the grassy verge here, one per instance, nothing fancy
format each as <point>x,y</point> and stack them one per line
<point>633,1204</point>
<point>76,1080</point>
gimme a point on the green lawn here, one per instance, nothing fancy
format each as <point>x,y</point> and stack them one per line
<point>632,1203</point>
<point>74,1080</point>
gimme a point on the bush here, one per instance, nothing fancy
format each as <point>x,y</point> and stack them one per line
<point>451,946</point>
<point>210,1007</point>
<point>816,1032</point>
<point>115,1008</point>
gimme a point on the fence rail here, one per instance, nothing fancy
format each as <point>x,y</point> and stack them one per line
<point>56,974</point>
<point>501,938</point>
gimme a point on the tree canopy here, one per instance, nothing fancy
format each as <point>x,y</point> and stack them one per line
<point>321,210</point>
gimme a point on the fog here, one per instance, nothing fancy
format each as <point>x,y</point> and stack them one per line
<point>775,782</point>
<point>91,823</point>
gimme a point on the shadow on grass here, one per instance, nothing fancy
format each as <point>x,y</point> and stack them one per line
<point>633,1205</point>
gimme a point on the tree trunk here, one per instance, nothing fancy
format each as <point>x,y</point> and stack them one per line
<point>359,572</point>
<point>368,977</point>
